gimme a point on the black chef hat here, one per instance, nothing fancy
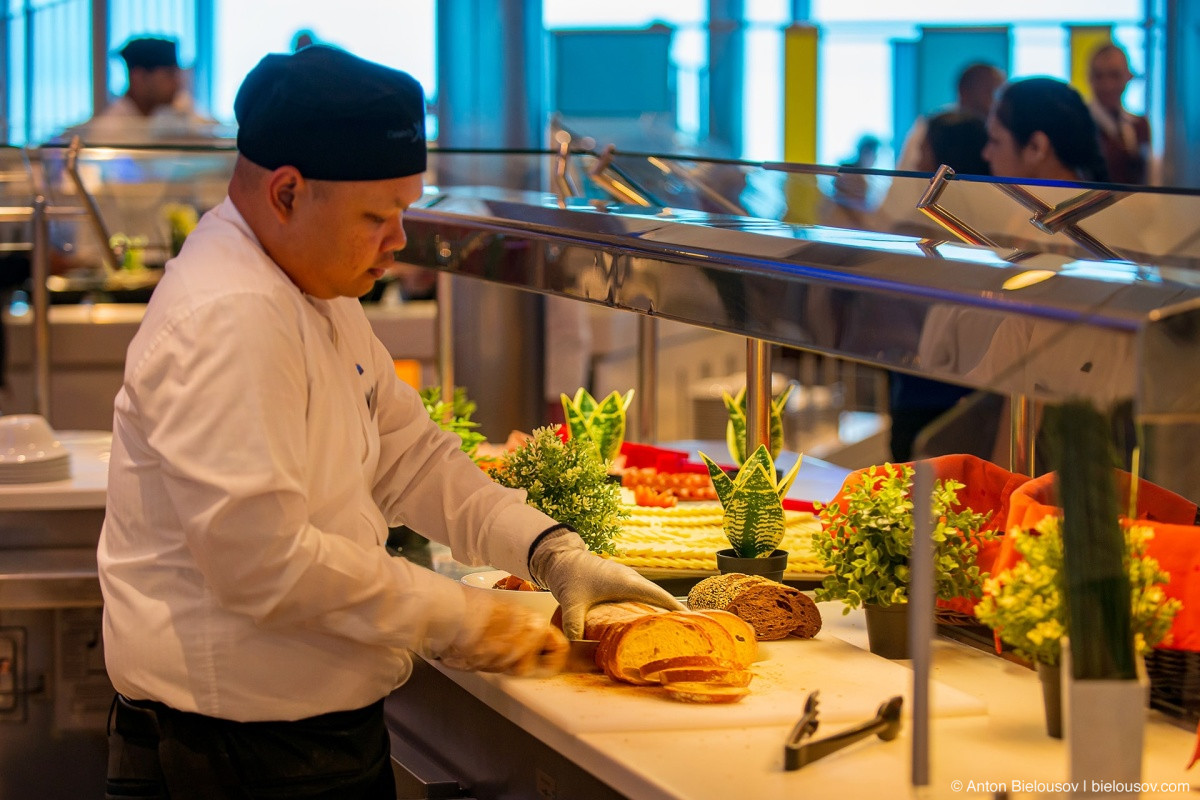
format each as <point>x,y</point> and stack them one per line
<point>331,115</point>
<point>150,52</point>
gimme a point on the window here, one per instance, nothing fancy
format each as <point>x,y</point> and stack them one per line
<point>400,35</point>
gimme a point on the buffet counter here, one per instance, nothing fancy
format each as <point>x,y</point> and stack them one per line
<point>580,735</point>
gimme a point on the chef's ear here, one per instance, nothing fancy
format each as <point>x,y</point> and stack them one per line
<point>282,187</point>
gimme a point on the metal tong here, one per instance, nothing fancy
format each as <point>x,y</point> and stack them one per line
<point>802,749</point>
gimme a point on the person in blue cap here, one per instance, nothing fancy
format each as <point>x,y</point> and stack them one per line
<point>262,447</point>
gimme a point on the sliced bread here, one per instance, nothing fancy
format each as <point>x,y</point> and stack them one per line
<point>650,671</point>
<point>728,677</point>
<point>657,636</point>
<point>745,642</point>
<point>773,611</point>
<point>705,692</point>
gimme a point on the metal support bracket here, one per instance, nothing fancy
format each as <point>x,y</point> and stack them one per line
<point>928,205</point>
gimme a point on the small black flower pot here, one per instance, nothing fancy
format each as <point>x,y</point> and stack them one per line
<point>770,567</point>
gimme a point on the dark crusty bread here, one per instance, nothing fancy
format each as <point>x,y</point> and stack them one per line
<point>772,609</point>
<point>810,618</point>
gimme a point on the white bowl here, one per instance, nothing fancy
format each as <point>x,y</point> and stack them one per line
<point>28,438</point>
<point>542,602</point>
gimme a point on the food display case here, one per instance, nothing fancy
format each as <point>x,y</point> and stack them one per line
<point>1036,293</point>
<point>1030,310</point>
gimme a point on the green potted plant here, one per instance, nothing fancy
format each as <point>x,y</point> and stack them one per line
<point>454,416</point>
<point>602,422</point>
<point>754,521</point>
<point>865,540</point>
<point>569,482</point>
<point>735,428</point>
<point>1024,604</point>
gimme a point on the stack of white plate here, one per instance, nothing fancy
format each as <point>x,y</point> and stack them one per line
<point>30,452</point>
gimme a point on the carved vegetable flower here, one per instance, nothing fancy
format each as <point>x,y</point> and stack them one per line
<point>602,423</point>
<point>753,503</point>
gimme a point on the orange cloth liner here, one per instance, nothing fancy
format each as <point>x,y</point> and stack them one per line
<point>987,487</point>
<point>1175,545</point>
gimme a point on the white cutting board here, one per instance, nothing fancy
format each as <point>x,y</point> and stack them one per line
<point>853,683</point>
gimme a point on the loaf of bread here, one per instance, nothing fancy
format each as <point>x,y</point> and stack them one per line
<point>707,653</point>
<point>602,617</point>
<point>745,641</point>
<point>772,609</point>
<point>656,636</point>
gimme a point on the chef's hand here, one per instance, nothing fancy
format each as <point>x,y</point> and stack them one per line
<point>512,639</point>
<point>579,579</point>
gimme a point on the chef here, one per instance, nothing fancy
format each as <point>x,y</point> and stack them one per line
<point>262,446</point>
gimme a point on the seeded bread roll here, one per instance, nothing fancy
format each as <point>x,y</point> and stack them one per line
<point>719,590</point>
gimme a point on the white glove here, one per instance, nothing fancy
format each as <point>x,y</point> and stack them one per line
<point>580,579</point>
<point>512,639</point>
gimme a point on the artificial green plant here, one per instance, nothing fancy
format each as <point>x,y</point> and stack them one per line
<point>753,503</point>
<point>1024,604</point>
<point>568,482</point>
<point>867,534</point>
<point>454,416</point>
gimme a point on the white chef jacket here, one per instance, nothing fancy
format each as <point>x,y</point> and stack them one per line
<point>262,444</point>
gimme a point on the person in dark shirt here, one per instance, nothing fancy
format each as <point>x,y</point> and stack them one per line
<point>1124,137</point>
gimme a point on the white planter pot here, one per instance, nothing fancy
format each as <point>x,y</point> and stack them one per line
<point>1103,723</point>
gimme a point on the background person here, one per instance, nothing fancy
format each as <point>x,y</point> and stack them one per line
<point>1124,137</point>
<point>850,203</point>
<point>155,105</point>
<point>152,64</point>
<point>1040,128</point>
<point>262,446</point>
<point>975,90</point>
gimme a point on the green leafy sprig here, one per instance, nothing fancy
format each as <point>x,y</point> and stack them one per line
<point>567,481</point>
<point>1024,604</point>
<point>866,540</point>
<point>454,416</point>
